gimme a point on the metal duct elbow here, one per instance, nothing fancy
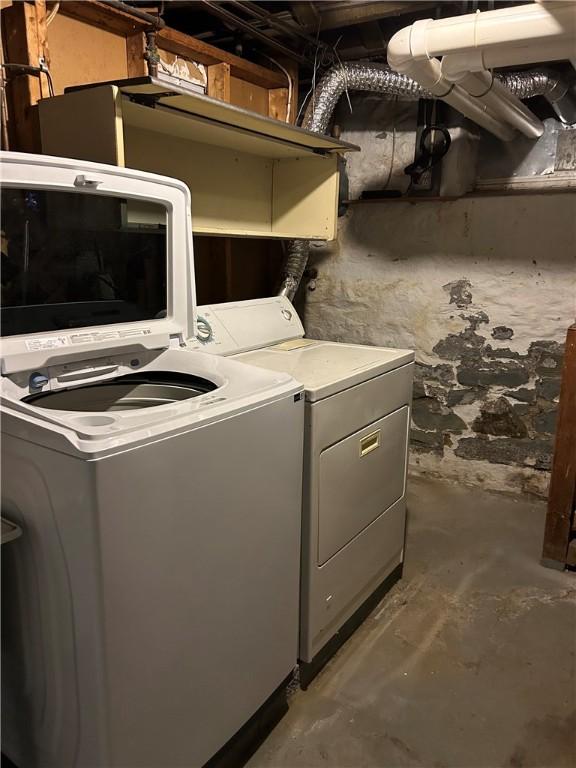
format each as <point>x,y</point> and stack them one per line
<point>355,76</point>
<point>294,266</point>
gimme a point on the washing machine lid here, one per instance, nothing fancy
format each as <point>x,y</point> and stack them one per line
<point>115,244</point>
<point>326,368</point>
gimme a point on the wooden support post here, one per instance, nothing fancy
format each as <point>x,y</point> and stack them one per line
<point>562,492</point>
<point>219,81</point>
<point>135,49</point>
<point>229,269</point>
<point>278,103</point>
<point>25,36</point>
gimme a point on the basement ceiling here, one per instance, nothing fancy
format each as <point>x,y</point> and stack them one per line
<point>311,34</point>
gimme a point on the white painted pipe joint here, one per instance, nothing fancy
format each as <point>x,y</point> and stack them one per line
<point>428,73</point>
<point>473,44</point>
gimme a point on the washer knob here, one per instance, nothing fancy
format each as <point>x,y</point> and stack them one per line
<point>203,330</point>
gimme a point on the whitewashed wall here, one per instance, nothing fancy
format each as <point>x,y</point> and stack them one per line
<point>483,290</point>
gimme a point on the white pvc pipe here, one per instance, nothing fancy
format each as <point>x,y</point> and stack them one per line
<point>428,73</point>
<point>480,41</point>
<point>483,87</point>
<point>517,26</point>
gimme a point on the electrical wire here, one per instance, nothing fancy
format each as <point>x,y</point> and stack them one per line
<point>290,85</point>
<point>343,70</point>
<point>328,57</point>
<point>391,168</point>
<point>52,14</point>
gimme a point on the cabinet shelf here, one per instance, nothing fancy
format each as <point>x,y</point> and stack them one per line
<point>249,175</point>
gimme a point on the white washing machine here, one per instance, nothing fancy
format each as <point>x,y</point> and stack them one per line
<point>355,460</point>
<point>151,603</point>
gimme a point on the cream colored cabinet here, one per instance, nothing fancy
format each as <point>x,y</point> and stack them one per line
<point>249,175</point>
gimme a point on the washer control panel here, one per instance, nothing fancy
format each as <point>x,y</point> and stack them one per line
<point>240,326</point>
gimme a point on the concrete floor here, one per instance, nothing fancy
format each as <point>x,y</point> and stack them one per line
<point>469,661</point>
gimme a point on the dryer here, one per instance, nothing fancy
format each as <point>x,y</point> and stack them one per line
<point>151,603</point>
<point>355,460</point>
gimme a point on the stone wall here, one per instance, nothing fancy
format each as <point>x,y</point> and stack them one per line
<point>483,289</point>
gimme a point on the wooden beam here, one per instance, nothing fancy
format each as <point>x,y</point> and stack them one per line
<point>371,35</point>
<point>305,14</point>
<point>25,37</point>
<point>561,496</point>
<point>278,103</point>
<point>102,15</point>
<point>171,40</point>
<point>219,81</point>
<point>135,49</point>
<point>359,12</point>
<point>184,45</point>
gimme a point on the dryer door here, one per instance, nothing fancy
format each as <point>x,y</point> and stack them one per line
<point>360,477</point>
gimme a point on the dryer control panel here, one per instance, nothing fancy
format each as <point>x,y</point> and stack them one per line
<point>240,326</point>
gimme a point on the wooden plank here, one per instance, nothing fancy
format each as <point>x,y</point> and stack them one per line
<point>306,14</point>
<point>255,268</point>
<point>563,479</point>
<point>359,12</point>
<point>184,45</point>
<point>210,269</point>
<point>103,16</point>
<point>235,269</point>
<point>249,96</point>
<point>278,103</point>
<point>219,81</point>
<point>82,53</point>
<point>172,40</point>
<point>479,195</point>
<point>228,269</point>
<point>25,36</point>
<point>136,64</point>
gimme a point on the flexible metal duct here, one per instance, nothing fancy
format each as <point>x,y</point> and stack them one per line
<point>379,78</point>
<point>294,266</point>
<point>355,76</point>
<point>560,94</point>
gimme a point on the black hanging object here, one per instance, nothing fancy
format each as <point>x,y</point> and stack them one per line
<point>433,145</point>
